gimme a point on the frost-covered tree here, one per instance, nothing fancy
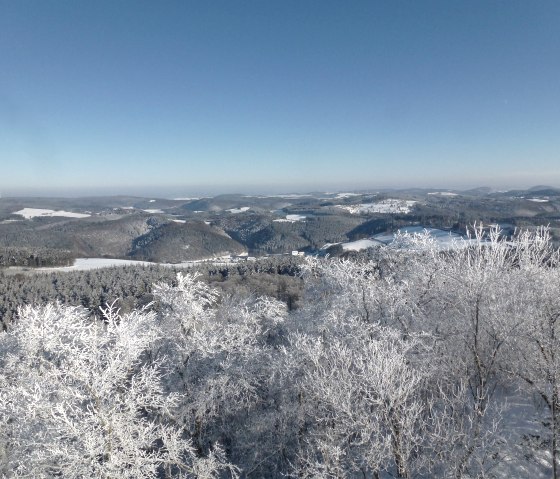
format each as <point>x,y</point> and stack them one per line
<point>537,360</point>
<point>79,400</point>
<point>222,355</point>
<point>364,401</point>
<point>413,362</point>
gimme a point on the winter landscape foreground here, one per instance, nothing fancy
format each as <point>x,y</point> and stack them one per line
<point>409,361</point>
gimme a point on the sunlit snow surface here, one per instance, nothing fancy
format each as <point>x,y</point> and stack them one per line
<point>442,240</point>
<point>238,210</point>
<point>84,264</point>
<point>347,195</point>
<point>29,213</point>
<point>385,206</point>
<point>359,245</point>
<point>291,219</point>
<point>440,236</point>
<point>443,193</point>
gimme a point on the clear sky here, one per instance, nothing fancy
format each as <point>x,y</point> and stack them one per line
<point>282,95</point>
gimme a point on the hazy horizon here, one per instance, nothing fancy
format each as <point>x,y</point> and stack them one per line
<point>210,191</point>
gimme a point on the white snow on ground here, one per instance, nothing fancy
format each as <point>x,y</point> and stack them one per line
<point>443,193</point>
<point>29,213</point>
<point>154,211</point>
<point>152,201</point>
<point>346,195</point>
<point>179,221</point>
<point>359,244</point>
<point>444,240</point>
<point>239,210</point>
<point>293,196</point>
<point>440,236</point>
<point>521,457</point>
<point>538,200</point>
<point>384,206</point>
<point>84,264</point>
<point>291,219</point>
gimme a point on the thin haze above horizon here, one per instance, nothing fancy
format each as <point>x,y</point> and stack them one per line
<point>251,96</point>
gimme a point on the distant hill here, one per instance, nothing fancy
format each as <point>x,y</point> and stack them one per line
<point>95,236</point>
<point>177,242</point>
<point>544,191</point>
<point>480,191</point>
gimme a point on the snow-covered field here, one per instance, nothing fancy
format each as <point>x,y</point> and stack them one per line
<point>360,244</point>
<point>443,193</point>
<point>538,200</point>
<point>346,195</point>
<point>29,213</point>
<point>84,264</point>
<point>440,236</point>
<point>291,196</point>
<point>153,211</point>
<point>384,206</point>
<point>291,219</point>
<point>239,210</point>
<point>444,239</point>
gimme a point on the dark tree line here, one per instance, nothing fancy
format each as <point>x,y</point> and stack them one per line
<point>274,277</point>
<point>34,257</point>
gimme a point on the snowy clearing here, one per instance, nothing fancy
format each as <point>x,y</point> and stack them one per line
<point>234,211</point>
<point>153,211</point>
<point>384,206</point>
<point>290,219</point>
<point>85,264</point>
<point>444,240</point>
<point>29,213</point>
<point>443,193</point>
<point>292,196</point>
<point>347,195</point>
<point>360,244</point>
<point>538,200</point>
<point>440,236</point>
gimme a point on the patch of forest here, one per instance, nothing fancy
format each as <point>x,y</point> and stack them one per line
<point>34,257</point>
<point>132,285</point>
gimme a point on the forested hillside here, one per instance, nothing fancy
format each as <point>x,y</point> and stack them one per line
<point>414,362</point>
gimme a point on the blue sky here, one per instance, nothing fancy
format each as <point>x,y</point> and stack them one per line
<point>291,95</point>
